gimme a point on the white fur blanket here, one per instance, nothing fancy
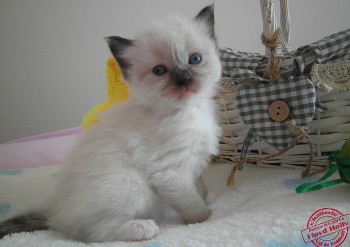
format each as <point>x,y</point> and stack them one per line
<point>261,210</point>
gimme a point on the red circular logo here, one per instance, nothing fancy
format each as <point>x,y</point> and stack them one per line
<point>326,227</point>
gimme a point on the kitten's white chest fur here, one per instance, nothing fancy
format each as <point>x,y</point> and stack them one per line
<point>183,136</point>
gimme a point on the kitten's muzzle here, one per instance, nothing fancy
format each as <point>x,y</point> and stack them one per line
<point>183,78</point>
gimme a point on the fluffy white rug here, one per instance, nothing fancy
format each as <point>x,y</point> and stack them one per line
<point>261,210</point>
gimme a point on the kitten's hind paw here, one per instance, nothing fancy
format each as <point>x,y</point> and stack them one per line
<point>139,230</point>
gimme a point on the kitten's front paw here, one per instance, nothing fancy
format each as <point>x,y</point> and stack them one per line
<point>210,198</point>
<point>198,217</point>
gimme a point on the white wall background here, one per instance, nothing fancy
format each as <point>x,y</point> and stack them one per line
<point>52,53</point>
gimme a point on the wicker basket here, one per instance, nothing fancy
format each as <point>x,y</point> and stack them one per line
<point>327,131</point>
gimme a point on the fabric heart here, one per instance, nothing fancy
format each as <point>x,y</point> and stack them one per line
<point>253,101</point>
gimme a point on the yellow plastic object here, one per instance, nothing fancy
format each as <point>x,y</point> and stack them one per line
<point>117,91</point>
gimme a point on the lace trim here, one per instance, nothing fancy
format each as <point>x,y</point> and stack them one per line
<point>332,76</point>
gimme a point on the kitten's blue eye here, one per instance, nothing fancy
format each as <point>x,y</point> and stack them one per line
<point>195,58</point>
<point>159,70</point>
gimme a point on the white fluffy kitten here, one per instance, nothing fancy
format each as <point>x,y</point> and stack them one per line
<point>150,151</point>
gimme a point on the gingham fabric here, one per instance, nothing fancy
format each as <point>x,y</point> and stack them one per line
<point>253,102</point>
<point>335,47</point>
<point>243,66</point>
<point>246,70</point>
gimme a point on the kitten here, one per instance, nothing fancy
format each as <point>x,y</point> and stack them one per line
<point>149,152</point>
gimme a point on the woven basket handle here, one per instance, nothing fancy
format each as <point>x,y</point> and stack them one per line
<point>275,39</point>
<point>285,25</point>
<point>270,25</point>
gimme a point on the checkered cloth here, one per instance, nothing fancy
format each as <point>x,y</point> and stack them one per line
<point>244,66</point>
<point>335,47</point>
<point>241,66</point>
<point>253,102</point>
<point>294,85</point>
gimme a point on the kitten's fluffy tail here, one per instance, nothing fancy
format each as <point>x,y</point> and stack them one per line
<point>24,223</point>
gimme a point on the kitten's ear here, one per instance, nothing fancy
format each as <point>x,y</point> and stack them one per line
<point>118,45</point>
<point>206,17</point>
